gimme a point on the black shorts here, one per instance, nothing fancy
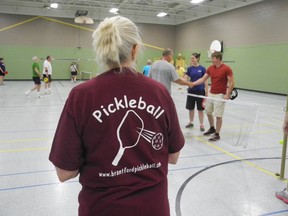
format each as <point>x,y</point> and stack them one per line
<point>2,74</point>
<point>49,77</point>
<point>190,102</point>
<point>74,73</point>
<point>37,80</point>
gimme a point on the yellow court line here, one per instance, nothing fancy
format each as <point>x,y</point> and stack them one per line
<point>24,140</point>
<point>68,24</point>
<point>23,150</point>
<point>20,23</point>
<point>230,134</point>
<point>237,158</point>
<point>151,46</point>
<point>92,30</point>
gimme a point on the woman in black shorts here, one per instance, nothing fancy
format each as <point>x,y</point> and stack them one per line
<point>73,70</point>
<point>195,72</point>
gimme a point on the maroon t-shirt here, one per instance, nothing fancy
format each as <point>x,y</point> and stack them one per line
<point>117,130</point>
<point>219,78</point>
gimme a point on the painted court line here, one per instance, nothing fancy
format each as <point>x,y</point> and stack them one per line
<point>24,140</point>
<point>25,173</point>
<point>236,157</point>
<point>38,185</point>
<point>27,131</point>
<point>221,153</point>
<point>275,213</point>
<point>23,150</point>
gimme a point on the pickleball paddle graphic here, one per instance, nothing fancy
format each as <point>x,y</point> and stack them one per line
<point>128,140</point>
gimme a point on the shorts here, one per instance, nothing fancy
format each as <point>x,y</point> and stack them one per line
<point>2,74</point>
<point>74,73</point>
<point>215,106</point>
<point>37,80</point>
<point>191,100</point>
<point>49,77</point>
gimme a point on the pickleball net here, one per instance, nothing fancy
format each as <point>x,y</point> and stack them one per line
<point>240,122</point>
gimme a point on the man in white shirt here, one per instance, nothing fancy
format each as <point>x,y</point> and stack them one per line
<point>47,73</point>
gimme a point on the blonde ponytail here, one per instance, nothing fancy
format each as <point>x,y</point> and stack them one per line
<point>114,39</point>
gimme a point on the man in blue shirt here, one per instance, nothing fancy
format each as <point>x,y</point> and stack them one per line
<point>147,68</point>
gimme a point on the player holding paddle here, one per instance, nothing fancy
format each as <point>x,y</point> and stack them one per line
<point>118,131</point>
<point>47,74</point>
<point>221,75</point>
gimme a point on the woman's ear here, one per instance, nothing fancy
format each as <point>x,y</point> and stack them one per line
<point>134,51</point>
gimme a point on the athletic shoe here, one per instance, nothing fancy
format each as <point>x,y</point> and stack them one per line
<point>215,137</point>
<point>27,93</point>
<point>189,125</point>
<point>282,195</point>
<point>210,131</point>
<point>202,128</point>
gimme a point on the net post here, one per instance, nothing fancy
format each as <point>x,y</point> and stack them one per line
<point>284,150</point>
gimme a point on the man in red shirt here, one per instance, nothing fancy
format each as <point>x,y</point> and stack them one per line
<point>118,131</point>
<point>221,76</point>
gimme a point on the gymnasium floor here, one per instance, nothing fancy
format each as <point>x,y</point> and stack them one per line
<point>199,185</point>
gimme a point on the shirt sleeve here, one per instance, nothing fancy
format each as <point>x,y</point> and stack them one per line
<point>150,72</point>
<point>203,71</point>
<point>45,66</point>
<point>174,74</point>
<point>67,152</point>
<point>229,72</point>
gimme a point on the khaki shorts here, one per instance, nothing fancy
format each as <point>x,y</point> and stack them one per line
<point>214,105</point>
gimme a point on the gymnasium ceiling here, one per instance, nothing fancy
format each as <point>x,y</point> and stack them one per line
<point>141,11</point>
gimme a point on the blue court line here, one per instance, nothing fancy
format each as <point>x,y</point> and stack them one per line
<point>179,169</point>
<point>25,173</point>
<point>38,185</point>
<point>274,213</point>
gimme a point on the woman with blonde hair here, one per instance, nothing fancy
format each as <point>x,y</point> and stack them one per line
<point>127,132</point>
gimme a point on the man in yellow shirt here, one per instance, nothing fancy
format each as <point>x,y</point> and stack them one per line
<point>180,71</point>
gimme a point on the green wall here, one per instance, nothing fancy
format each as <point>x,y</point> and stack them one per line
<point>260,68</point>
<point>23,37</point>
<point>18,60</point>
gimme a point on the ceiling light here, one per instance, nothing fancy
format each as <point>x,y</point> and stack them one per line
<point>162,14</point>
<point>114,10</point>
<point>54,5</point>
<point>196,1</point>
